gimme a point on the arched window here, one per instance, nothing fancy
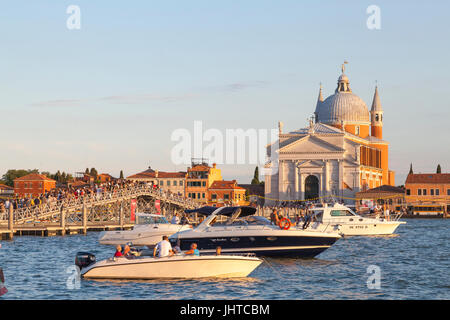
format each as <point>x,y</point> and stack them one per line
<point>376,117</point>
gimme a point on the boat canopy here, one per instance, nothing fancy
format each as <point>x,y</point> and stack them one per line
<point>225,211</point>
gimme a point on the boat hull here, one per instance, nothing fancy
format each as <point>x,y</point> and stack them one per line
<point>368,228</point>
<point>172,267</point>
<point>280,244</point>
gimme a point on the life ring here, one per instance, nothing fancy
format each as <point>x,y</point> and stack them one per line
<point>284,224</point>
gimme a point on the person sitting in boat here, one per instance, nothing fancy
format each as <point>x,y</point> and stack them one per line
<point>118,251</point>
<point>177,248</point>
<point>164,248</point>
<point>218,251</point>
<point>194,250</point>
<point>127,252</point>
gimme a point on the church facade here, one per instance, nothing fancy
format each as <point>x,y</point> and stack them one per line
<point>341,152</point>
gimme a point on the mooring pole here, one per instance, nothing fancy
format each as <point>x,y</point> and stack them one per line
<point>11,221</point>
<point>62,221</point>
<point>84,213</point>
<point>121,215</point>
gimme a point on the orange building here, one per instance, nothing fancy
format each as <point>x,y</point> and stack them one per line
<point>33,185</point>
<point>428,188</point>
<point>199,179</point>
<point>226,193</point>
<point>105,177</point>
<point>173,182</point>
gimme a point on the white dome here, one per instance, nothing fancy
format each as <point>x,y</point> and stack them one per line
<point>343,106</point>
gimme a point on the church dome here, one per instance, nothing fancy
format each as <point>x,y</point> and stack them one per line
<point>343,106</point>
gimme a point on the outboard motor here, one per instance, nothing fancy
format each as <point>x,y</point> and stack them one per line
<point>84,259</point>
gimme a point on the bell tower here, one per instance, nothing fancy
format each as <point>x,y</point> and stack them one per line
<point>376,116</point>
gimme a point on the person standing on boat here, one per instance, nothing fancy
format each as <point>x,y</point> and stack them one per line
<point>164,248</point>
<point>175,219</point>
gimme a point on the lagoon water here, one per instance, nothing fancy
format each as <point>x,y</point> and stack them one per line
<point>413,264</point>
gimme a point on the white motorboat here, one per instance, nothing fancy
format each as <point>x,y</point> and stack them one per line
<point>242,231</point>
<point>349,223</point>
<point>174,267</point>
<point>148,231</point>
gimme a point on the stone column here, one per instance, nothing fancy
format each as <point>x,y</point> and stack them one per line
<point>280,179</point>
<point>301,187</point>
<point>341,178</point>
<point>297,196</point>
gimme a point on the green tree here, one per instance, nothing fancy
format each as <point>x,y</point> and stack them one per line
<point>86,171</point>
<point>410,169</point>
<point>93,173</point>
<point>255,179</point>
<point>12,174</point>
<point>438,169</point>
<point>121,174</point>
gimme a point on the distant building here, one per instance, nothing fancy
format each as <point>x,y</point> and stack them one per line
<point>173,182</point>
<point>6,191</point>
<point>33,185</point>
<point>393,198</point>
<point>340,153</point>
<point>222,193</point>
<point>428,188</point>
<point>105,177</point>
<point>199,179</point>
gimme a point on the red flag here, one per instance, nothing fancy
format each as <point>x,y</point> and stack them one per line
<point>133,208</point>
<point>158,206</point>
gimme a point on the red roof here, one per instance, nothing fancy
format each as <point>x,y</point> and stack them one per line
<point>384,189</point>
<point>199,167</point>
<point>34,177</point>
<point>225,185</point>
<point>5,187</point>
<point>435,178</point>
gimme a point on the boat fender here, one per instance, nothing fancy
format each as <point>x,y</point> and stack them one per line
<point>284,224</point>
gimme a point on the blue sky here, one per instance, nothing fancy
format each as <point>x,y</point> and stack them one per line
<point>110,94</point>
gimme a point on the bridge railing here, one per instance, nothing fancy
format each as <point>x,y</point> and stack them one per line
<point>51,208</point>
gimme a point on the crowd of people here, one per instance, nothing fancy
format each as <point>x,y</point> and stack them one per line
<point>63,196</point>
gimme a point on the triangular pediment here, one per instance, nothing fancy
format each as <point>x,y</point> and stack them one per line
<point>310,144</point>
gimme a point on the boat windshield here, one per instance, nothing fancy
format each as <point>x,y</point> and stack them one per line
<point>244,221</point>
<point>150,219</point>
<point>341,213</point>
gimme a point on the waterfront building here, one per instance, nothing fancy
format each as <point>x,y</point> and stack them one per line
<point>33,185</point>
<point>222,193</point>
<point>200,177</point>
<point>340,153</point>
<point>6,191</point>
<point>173,182</point>
<point>428,190</point>
<point>389,197</point>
